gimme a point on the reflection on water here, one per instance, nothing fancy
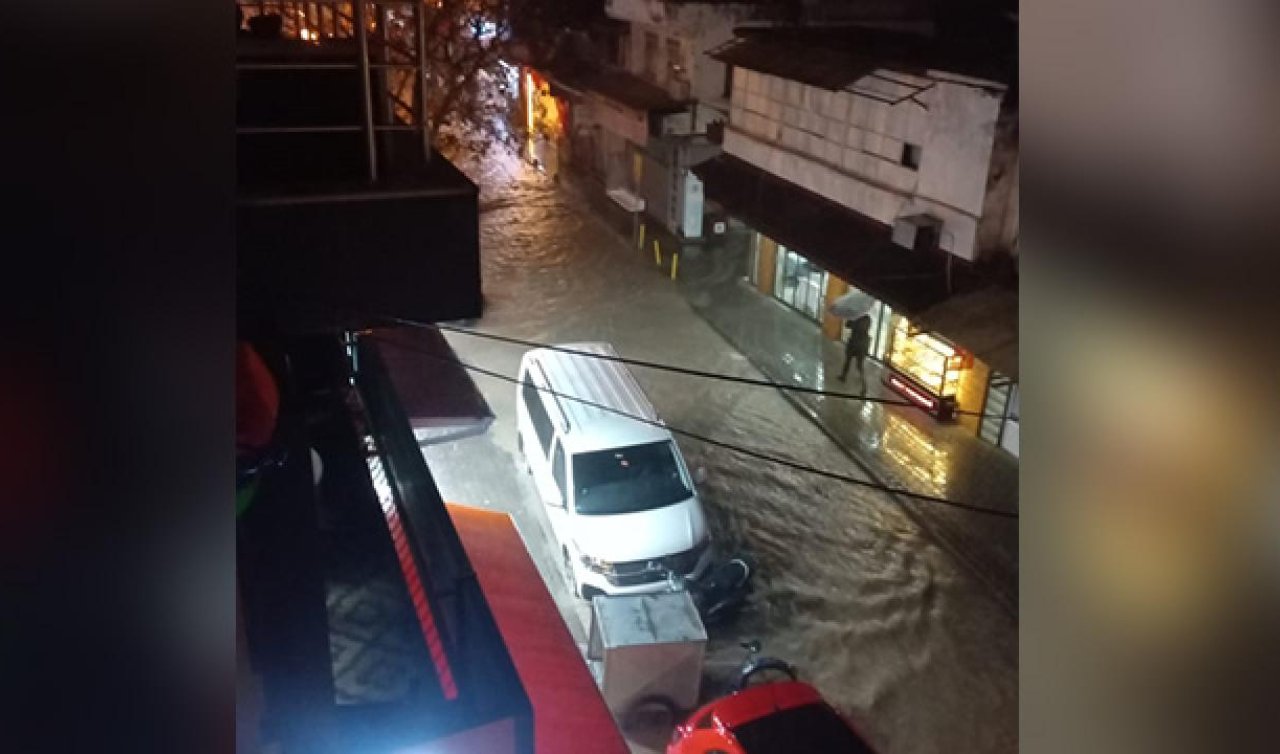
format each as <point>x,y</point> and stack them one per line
<point>914,451</point>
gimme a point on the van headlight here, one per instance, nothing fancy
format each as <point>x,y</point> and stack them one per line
<point>596,564</point>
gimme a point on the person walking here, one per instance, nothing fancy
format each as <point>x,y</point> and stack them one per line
<point>856,346</point>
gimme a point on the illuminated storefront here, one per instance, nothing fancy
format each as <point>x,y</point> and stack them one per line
<point>545,119</point>
<point>926,369</point>
<point>941,378</point>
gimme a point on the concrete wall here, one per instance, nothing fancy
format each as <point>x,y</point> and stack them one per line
<point>699,27</point>
<point>848,147</point>
<point>998,228</point>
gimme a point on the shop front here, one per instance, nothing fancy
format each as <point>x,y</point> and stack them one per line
<point>546,122</point>
<point>928,370</point>
<point>937,332</point>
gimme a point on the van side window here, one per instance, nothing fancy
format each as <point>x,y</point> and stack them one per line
<point>537,413</point>
<point>557,470</point>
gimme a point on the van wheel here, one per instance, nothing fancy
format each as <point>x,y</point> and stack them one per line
<point>568,575</point>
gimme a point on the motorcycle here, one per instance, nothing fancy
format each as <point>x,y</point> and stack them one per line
<point>720,592</point>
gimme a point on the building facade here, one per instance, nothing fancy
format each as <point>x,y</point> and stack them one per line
<point>881,168</point>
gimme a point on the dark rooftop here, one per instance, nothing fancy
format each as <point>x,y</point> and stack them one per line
<point>834,57</point>
<point>619,86</point>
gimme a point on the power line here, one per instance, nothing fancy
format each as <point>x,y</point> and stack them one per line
<point>659,366</point>
<point>712,441</point>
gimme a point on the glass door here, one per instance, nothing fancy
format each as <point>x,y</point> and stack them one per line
<point>799,283</point>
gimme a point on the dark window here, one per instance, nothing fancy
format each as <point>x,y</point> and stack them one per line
<point>728,81</point>
<point>626,480</point>
<point>537,414</point>
<point>651,56</point>
<point>813,727</point>
<point>557,469</point>
<point>911,155</point>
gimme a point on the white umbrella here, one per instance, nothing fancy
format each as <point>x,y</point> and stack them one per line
<point>852,305</point>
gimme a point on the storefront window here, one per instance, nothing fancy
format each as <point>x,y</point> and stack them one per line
<point>1000,413</point>
<point>800,284</point>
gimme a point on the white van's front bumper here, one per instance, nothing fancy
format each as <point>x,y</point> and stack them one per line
<point>598,582</point>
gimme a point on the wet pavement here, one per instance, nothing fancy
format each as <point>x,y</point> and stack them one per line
<point>899,445</point>
<point>892,629</point>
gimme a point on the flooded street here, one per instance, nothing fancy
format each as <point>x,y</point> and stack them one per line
<point>887,625</point>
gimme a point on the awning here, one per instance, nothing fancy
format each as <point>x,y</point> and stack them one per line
<point>984,322</point>
<point>854,247</point>
<point>438,396</point>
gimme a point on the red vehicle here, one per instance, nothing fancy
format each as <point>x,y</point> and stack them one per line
<point>767,717</point>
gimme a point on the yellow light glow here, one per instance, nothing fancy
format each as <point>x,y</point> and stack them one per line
<point>528,101</point>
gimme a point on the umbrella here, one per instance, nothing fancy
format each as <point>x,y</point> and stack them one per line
<point>852,305</point>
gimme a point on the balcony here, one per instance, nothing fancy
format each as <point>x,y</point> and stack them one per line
<point>343,211</point>
<point>362,612</point>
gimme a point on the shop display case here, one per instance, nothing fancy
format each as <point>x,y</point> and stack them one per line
<point>925,369</point>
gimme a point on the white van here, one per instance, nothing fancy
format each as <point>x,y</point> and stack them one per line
<point>619,496</point>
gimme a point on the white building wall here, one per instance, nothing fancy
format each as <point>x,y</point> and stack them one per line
<point>848,147</point>
<point>699,27</point>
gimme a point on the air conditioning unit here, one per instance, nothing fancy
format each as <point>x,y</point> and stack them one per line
<point>917,232</point>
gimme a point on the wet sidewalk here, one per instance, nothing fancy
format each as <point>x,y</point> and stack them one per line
<point>898,446</point>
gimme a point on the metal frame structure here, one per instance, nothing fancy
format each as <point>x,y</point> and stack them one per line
<point>337,395</point>
<point>382,92</point>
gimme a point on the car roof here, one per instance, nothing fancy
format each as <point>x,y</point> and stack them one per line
<point>761,700</point>
<point>808,727</point>
<point>601,381</point>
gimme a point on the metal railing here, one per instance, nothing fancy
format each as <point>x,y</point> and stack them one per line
<point>487,682</point>
<point>389,54</point>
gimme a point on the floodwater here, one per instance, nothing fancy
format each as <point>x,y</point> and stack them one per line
<point>892,631</point>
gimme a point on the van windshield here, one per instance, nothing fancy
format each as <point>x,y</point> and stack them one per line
<point>627,480</point>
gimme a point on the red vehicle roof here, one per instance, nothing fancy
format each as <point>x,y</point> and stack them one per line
<point>768,718</point>
<point>761,700</point>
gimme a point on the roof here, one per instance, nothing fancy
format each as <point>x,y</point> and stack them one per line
<point>812,727</point>
<point>835,57</point>
<point>599,381</point>
<point>857,248</point>
<point>620,86</point>
<point>567,705</point>
<point>984,321</point>
<point>435,391</point>
<point>762,699</point>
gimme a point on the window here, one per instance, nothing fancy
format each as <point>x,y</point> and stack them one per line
<point>728,81</point>
<point>911,156</point>
<point>675,60</point>
<point>627,480</point>
<point>537,413</point>
<point>651,56</point>
<point>812,727</point>
<point>557,470</point>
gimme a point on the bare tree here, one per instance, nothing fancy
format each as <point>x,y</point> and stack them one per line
<point>470,49</point>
